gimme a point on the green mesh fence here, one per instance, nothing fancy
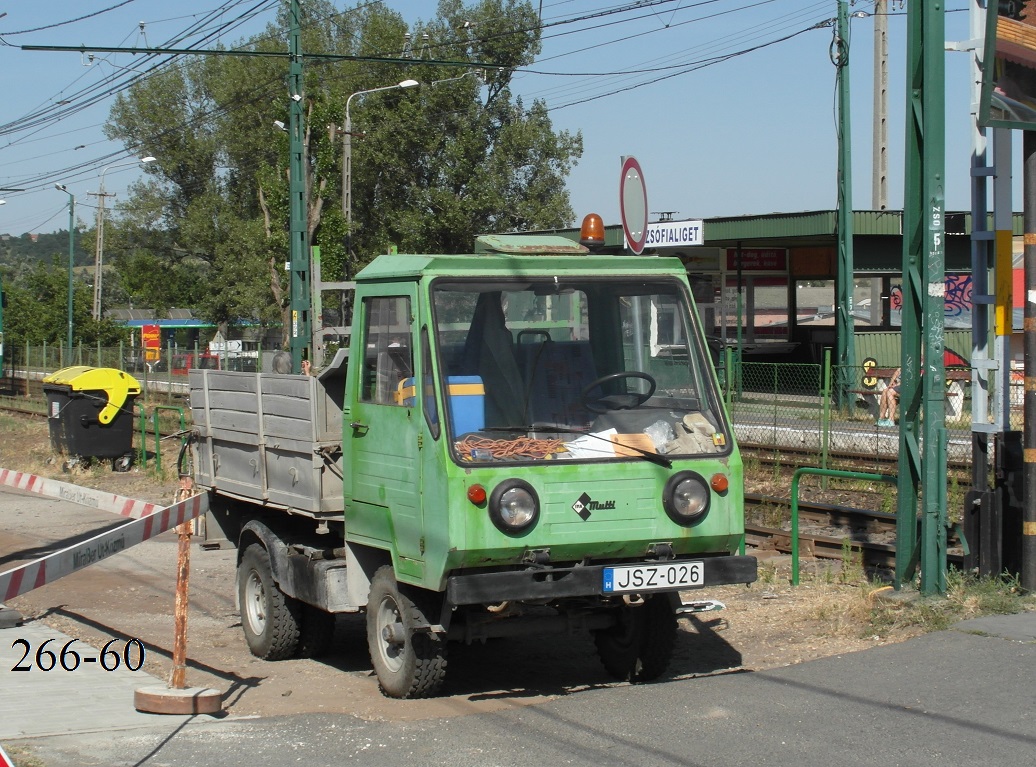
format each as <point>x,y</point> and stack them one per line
<point>826,416</point>
<point>778,406</point>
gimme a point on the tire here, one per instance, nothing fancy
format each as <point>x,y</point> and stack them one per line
<point>640,647</point>
<point>414,667</point>
<point>123,462</point>
<point>269,618</point>
<point>317,632</point>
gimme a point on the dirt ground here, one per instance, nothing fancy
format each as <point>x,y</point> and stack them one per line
<point>766,625</point>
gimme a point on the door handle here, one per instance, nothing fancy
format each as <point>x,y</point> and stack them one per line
<point>360,427</point>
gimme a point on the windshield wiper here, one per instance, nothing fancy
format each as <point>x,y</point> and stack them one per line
<point>647,455</point>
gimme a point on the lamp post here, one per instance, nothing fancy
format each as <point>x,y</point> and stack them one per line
<point>99,257</point>
<point>347,160</point>
<point>71,256</point>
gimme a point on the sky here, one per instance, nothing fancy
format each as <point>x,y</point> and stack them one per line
<point>729,106</point>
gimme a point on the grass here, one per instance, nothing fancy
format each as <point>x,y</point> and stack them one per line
<point>22,757</point>
<point>852,606</point>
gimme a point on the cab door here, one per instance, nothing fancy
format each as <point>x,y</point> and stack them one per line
<point>383,430</point>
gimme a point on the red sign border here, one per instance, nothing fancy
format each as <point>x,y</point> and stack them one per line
<point>637,246</point>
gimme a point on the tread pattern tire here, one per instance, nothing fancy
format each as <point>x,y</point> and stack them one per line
<point>640,647</point>
<point>270,619</point>
<point>414,668</point>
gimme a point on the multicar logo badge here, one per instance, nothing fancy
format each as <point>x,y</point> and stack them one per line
<point>585,504</point>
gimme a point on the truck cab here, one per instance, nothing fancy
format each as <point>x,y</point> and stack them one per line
<point>532,438</point>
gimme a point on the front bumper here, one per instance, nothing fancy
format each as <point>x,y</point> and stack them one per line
<point>547,583</point>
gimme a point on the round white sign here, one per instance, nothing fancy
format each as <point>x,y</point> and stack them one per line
<point>633,204</point>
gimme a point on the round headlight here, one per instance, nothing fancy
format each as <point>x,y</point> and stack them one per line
<point>513,506</point>
<point>686,498</point>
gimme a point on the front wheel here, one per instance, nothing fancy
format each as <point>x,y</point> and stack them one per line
<point>269,617</point>
<point>409,660</point>
<point>640,646</point>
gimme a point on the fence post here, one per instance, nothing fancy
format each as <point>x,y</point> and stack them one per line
<point>825,418</point>
<point>169,372</point>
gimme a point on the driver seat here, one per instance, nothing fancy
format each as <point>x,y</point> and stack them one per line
<point>555,374</point>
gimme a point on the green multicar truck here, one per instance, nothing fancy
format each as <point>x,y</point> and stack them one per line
<point>516,441</point>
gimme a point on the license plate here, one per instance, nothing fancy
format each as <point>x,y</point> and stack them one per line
<point>671,575</point>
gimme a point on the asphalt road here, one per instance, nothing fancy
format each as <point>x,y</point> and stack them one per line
<point>951,698</point>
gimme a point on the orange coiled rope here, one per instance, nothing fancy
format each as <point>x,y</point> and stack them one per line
<point>521,447</point>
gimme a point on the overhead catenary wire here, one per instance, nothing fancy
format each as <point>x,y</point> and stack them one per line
<point>555,99</point>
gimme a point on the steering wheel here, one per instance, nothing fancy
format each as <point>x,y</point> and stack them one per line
<point>626,401</point>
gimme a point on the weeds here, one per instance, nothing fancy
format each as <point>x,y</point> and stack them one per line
<point>852,564</point>
<point>847,604</point>
<point>22,757</point>
<point>767,574</point>
<point>967,596</point>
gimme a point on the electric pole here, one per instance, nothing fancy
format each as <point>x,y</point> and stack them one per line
<point>880,128</point>
<point>922,441</point>
<point>99,252</point>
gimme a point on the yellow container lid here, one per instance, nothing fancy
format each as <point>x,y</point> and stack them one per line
<point>118,385</point>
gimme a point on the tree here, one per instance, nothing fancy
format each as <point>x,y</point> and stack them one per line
<point>432,166</point>
<point>37,310</point>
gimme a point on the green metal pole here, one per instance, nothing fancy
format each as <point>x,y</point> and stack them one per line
<point>300,307</point>
<point>803,470</point>
<point>825,417</point>
<point>845,353</point>
<point>738,355</point>
<point>922,460</point>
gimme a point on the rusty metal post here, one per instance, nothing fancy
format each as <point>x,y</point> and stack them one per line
<point>183,574</point>
<point>177,698</point>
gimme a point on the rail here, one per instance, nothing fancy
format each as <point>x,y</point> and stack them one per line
<point>866,476</point>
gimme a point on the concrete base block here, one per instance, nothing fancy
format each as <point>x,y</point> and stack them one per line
<point>188,701</point>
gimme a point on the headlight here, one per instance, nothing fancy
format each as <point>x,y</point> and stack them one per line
<point>686,498</point>
<point>513,506</point>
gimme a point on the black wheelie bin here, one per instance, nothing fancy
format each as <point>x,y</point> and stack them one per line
<point>90,414</point>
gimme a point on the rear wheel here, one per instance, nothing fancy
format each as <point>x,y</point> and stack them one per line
<point>409,660</point>
<point>269,617</point>
<point>123,462</point>
<point>640,646</point>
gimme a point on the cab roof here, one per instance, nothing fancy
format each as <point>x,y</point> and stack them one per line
<point>535,258</point>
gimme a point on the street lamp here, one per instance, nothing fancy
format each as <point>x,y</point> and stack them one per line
<point>99,258</point>
<point>71,256</point>
<point>347,159</point>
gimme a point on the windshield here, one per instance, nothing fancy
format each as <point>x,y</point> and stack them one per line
<point>586,369</point>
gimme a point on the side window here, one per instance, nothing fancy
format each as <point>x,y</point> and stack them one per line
<point>431,409</point>
<point>388,363</point>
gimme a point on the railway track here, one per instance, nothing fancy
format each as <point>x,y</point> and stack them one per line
<point>769,455</point>
<point>828,531</point>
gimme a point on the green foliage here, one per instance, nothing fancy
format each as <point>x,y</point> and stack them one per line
<point>37,311</point>
<point>432,167</point>
<point>21,253</point>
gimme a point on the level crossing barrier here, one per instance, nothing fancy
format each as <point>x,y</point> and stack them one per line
<point>148,521</point>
